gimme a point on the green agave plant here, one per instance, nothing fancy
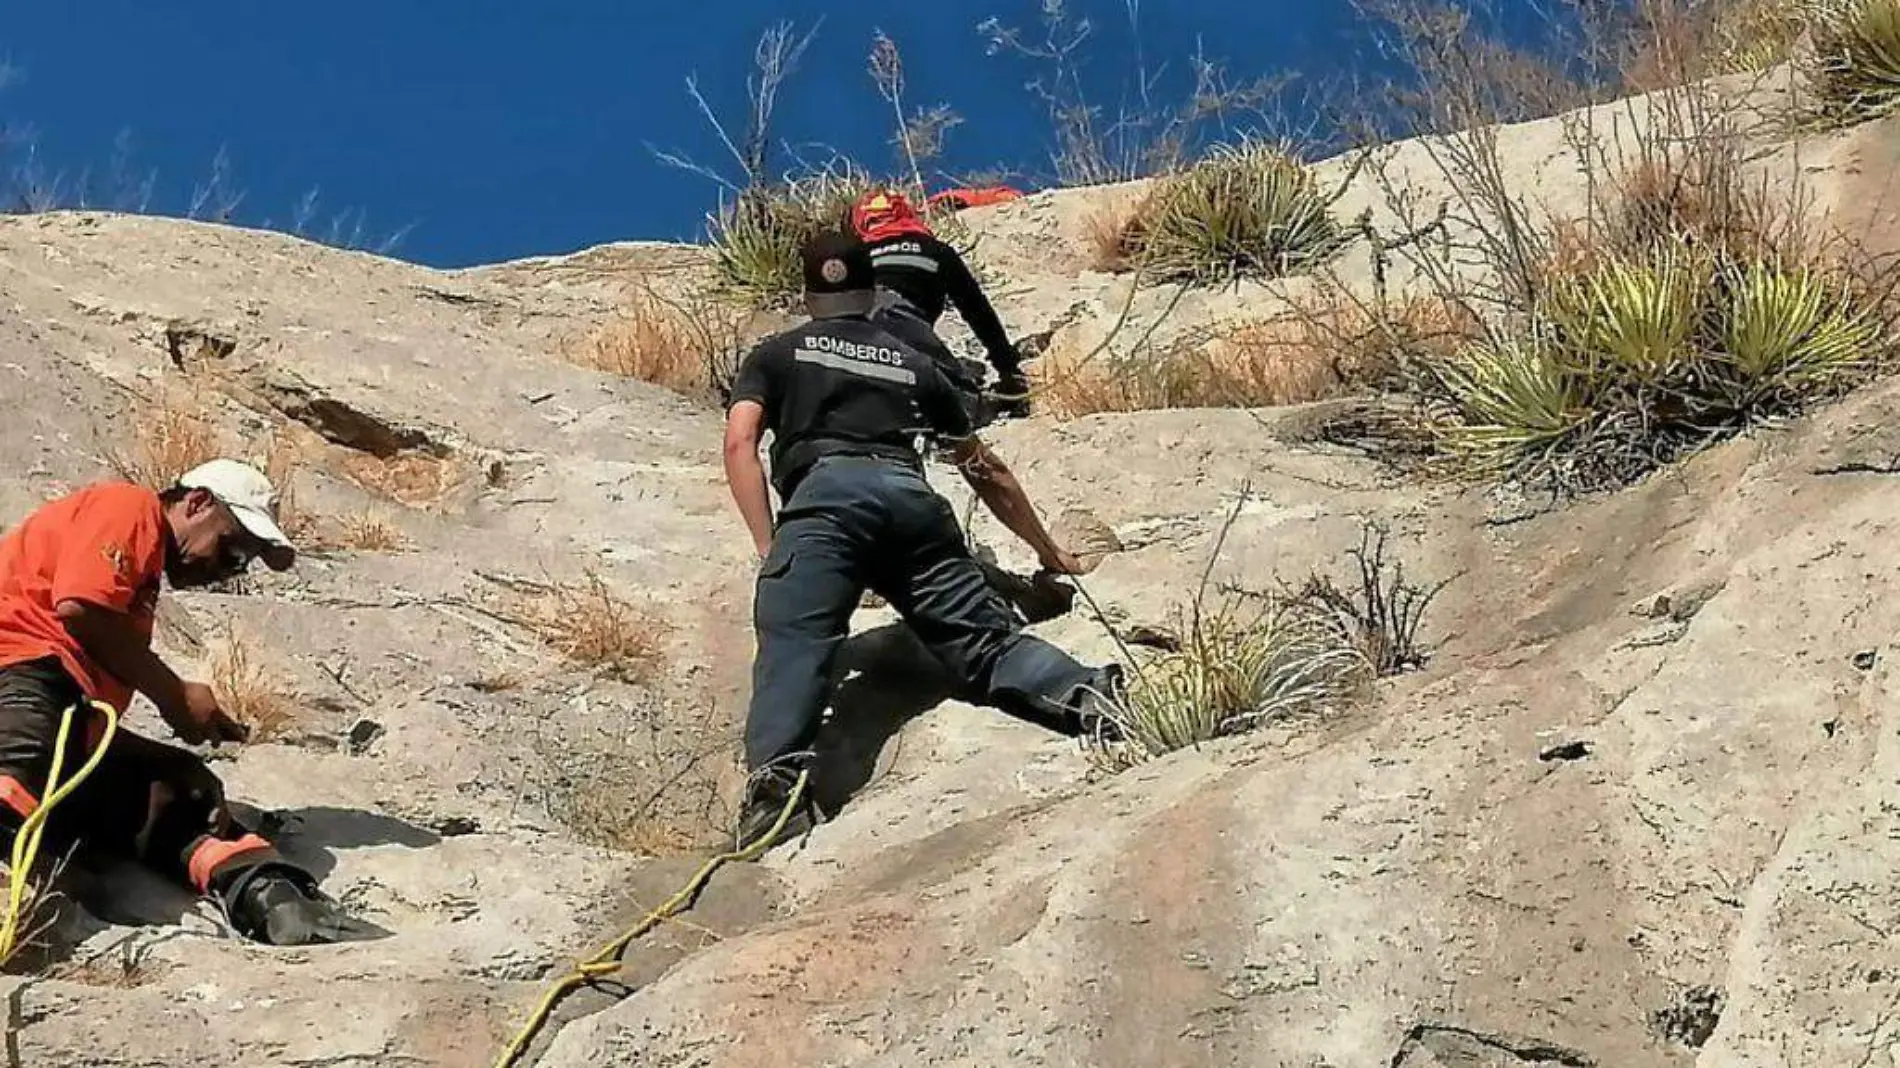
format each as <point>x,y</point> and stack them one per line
<point>1787,332</point>
<point>1856,57</point>
<point>1247,210</point>
<point>1513,399</point>
<point>1629,320</point>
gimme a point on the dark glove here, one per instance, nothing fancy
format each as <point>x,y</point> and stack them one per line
<point>1010,394</point>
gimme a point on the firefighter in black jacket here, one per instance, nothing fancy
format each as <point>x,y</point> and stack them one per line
<point>918,276</point>
<point>847,403</point>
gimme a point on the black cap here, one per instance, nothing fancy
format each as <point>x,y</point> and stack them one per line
<point>839,279</point>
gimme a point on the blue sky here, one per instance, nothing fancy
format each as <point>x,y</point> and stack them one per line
<point>501,128</point>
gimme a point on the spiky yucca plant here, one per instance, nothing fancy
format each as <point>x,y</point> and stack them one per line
<point>1755,35</point>
<point>1514,400</point>
<point>1790,333</point>
<point>1235,668</point>
<point>1630,319</point>
<point>1252,209</point>
<point>1855,65</point>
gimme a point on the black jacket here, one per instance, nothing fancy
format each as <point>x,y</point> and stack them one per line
<point>929,275</point>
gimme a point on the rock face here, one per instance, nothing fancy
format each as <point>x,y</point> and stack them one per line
<point>1641,807</point>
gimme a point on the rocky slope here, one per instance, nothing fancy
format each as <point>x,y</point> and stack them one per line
<point>1639,809</point>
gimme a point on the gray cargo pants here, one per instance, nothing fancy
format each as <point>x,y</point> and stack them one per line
<point>853,523</point>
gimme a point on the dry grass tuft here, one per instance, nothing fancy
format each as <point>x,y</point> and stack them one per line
<point>283,465</point>
<point>168,437</point>
<point>368,532</point>
<point>39,913</point>
<point>592,625</point>
<point>127,967</point>
<point>249,692</point>
<point>690,344</point>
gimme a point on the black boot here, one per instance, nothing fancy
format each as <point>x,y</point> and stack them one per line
<point>280,905</point>
<point>1100,703</point>
<point>765,799</point>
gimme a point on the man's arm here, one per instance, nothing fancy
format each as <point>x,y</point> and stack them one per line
<point>109,640</point>
<point>995,484</point>
<point>745,474</point>
<point>975,308</point>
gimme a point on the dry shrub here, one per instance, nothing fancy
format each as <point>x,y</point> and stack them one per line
<point>169,436</point>
<point>757,237</point>
<point>599,817</point>
<point>1309,354</point>
<point>1105,234</point>
<point>689,344</point>
<point>249,692</point>
<point>1382,610</point>
<point>592,625</point>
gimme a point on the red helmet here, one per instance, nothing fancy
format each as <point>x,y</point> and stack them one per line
<point>881,213</point>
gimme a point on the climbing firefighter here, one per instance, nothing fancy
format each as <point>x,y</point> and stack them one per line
<point>79,590</point>
<point>848,404</point>
<point>918,275</point>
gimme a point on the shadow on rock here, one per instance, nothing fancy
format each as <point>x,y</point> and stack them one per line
<point>887,678</point>
<point>309,836</point>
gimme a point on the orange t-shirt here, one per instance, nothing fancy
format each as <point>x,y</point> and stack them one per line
<point>103,545</point>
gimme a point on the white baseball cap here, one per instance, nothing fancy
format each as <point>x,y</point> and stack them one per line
<point>252,499</point>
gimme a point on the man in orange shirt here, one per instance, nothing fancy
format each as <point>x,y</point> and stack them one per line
<point>79,587</point>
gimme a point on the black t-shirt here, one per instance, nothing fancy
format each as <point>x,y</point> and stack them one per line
<point>929,274</point>
<point>845,386</point>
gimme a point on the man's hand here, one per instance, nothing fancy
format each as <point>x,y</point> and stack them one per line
<point>1064,562</point>
<point>199,718</point>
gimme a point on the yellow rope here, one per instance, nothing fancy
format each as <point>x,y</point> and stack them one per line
<point>26,843</point>
<point>606,960</point>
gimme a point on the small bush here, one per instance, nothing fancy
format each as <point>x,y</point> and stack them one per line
<point>168,437</point>
<point>756,238</point>
<point>1247,211</point>
<point>1231,670</point>
<point>689,344</point>
<point>1855,65</point>
<point>249,693</point>
<point>592,625</point>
